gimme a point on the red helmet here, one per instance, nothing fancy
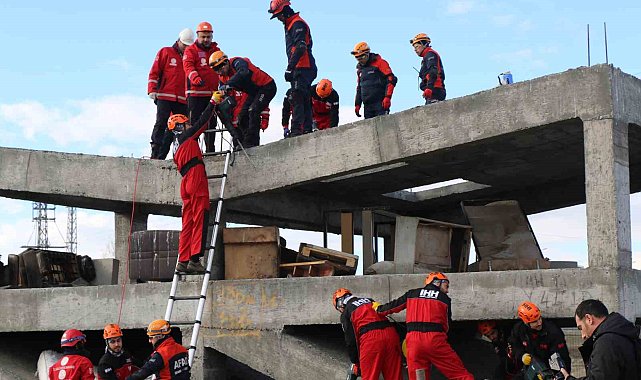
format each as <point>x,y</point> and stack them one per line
<point>529,312</point>
<point>435,276</point>
<point>71,337</point>
<point>204,27</point>
<point>277,6</point>
<point>486,327</point>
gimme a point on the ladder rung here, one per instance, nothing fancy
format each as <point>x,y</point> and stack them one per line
<point>216,176</point>
<point>217,199</point>
<point>184,323</point>
<point>192,348</point>
<point>191,274</point>
<point>215,130</point>
<point>220,153</point>
<point>214,223</point>
<point>186,298</point>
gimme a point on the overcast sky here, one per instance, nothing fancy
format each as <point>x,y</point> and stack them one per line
<point>74,76</point>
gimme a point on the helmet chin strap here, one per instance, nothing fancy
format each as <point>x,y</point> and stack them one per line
<point>116,354</point>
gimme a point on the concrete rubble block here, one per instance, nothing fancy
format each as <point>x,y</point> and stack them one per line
<point>106,271</point>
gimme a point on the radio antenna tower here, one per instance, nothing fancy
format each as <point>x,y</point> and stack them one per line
<point>40,215</point>
<point>72,230</point>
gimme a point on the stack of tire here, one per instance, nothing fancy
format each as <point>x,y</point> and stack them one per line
<point>153,255</point>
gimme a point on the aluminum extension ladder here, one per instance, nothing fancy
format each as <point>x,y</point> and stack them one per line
<point>202,298</point>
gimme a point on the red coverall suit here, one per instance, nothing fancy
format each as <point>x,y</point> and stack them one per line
<point>371,340</point>
<point>196,66</point>
<point>260,89</point>
<point>167,80</point>
<point>427,321</point>
<point>72,367</point>
<point>374,82</point>
<point>194,189</point>
<point>432,75</point>
<point>169,361</point>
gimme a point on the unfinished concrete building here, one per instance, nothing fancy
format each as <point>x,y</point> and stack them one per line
<point>556,141</point>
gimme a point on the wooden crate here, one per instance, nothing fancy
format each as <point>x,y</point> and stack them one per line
<point>319,268</point>
<point>346,259</point>
<point>251,252</point>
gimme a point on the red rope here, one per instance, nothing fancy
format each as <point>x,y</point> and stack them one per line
<point>131,226</point>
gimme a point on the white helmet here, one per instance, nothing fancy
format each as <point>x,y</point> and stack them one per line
<point>186,36</point>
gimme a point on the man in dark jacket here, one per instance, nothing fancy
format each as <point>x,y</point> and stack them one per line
<point>612,349</point>
<point>432,75</point>
<point>508,366</point>
<point>536,337</point>
<point>116,363</point>
<point>301,65</point>
<point>375,82</point>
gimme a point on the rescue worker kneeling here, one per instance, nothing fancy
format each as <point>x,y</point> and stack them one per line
<point>169,361</point>
<point>324,107</point>
<point>428,319</point>
<point>372,342</point>
<point>241,74</point>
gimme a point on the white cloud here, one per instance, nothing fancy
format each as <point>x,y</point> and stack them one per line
<point>87,123</point>
<point>460,6</point>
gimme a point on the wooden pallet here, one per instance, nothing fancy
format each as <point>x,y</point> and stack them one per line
<point>320,268</point>
<point>342,258</point>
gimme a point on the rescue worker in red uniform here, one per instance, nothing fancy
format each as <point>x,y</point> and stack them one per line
<point>241,74</point>
<point>428,319</point>
<point>301,65</point>
<point>535,337</point>
<point>431,75</point>
<point>116,363</point>
<point>166,88</point>
<point>169,361</point>
<point>324,107</point>
<point>75,364</point>
<point>372,342</point>
<point>202,81</point>
<point>194,189</point>
<point>508,366</point>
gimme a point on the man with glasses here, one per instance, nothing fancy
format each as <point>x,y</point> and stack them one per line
<point>241,74</point>
<point>375,82</point>
<point>116,363</point>
<point>169,361</point>
<point>202,81</point>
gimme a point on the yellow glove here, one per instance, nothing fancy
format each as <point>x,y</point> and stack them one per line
<point>375,305</point>
<point>218,97</point>
<point>526,359</point>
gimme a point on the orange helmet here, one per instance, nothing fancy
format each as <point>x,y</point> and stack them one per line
<point>486,327</point>
<point>72,337</point>
<point>277,6</point>
<point>176,123</point>
<point>217,59</point>
<point>529,312</point>
<point>204,27</point>
<point>421,37</point>
<point>112,330</point>
<point>339,294</point>
<point>360,49</point>
<point>436,276</point>
<point>324,88</point>
<point>158,327</point>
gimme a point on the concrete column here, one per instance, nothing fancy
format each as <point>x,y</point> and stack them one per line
<point>405,244</point>
<point>368,238</point>
<point>607,193</point>
<point>122,222</point>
